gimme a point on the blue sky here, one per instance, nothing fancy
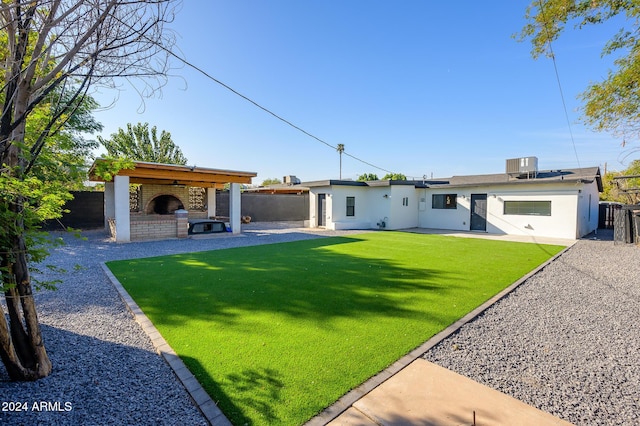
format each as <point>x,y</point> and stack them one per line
<point>416,87</point>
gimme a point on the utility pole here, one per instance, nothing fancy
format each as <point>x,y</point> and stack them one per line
<point>340,150</point>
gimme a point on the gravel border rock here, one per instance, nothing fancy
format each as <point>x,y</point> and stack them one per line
<point>566,341</point>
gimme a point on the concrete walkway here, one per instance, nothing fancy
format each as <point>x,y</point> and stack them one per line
<point>499,237</point>
<point>424,393</point>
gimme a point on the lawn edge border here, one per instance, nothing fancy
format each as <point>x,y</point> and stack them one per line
<point>198,395</point>
<point>347,400</point>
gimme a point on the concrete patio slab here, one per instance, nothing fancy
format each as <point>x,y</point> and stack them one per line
<point>499,237</point>
<point>426,394</point>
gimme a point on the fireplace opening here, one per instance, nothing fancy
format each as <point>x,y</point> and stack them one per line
<point>164,204</point>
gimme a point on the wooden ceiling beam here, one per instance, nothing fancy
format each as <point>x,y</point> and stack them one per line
<point>182,175</point>
<point>199,184</point>
<point>167,174</point>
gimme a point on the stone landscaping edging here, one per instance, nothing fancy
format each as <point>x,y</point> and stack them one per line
<point>200,397</point>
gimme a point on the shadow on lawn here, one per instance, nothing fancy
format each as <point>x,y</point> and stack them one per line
<point>256,389</point>
<point>301,279</point>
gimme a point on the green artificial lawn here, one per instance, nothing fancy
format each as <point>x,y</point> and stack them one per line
<point>275,333</point>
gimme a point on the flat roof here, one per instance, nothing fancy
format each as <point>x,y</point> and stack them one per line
<point>586,175</point>
<point>172,174</point>
<point>581,175</point>
<point>337,182</point>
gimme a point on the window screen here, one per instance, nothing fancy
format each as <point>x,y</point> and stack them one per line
<point>351,206</point>
<point>527,208</point>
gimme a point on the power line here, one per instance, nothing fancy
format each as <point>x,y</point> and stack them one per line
<point>555,67</point>
<point>246,98</point>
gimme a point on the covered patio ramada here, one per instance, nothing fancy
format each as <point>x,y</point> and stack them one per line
<point>164,200</point>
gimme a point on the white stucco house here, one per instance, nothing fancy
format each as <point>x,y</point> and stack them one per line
<point>553,203</point>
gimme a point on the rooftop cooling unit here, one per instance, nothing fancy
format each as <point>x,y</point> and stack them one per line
<point>290,180</point>
<point>525,167</point>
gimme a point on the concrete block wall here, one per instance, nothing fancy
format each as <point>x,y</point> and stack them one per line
<point>267,207</point>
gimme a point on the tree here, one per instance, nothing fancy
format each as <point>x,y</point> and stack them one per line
<point>141,144</point>
<point>394,176</point>
<point>64,157</point>
<point>367,177</point>
<point>271,181</point>
<point>54,51</point>
<point>613,104</point>
<point>340,150</point>
<point>622,190</point>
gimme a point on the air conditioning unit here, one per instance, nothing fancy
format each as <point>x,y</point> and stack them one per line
<point>290,180</point>
<point>524,167</point>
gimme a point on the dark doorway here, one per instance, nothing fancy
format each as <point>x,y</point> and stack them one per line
<point>606,214</point>
<point>322,209</point>
<point>478,212</point>
<point>164,204</point>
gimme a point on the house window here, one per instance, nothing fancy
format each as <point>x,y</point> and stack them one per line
<point>444,201</point>
<point>528,208</point>
<point>405,201</point>
<point>351,206</point>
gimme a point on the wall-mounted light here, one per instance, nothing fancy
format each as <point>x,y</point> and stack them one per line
<point>385,196</point>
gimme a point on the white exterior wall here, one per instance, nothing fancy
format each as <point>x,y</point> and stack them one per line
<point>313,206</point>
<point>234,208</point>
<point>371,207</point>
<point>588,211</point>
<point>574,208</point>
<point>563,222</point>
<point>211,202</point>
<point>109,204</point>
<point>121,211</point>
<point>402,216</point>
<point>337,208</point>
<point>453,219</point>
<point>379,207</point>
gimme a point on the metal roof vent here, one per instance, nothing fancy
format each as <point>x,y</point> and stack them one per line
<point>523,168</point>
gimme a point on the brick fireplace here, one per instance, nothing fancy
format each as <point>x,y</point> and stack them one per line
<point>155,201</point>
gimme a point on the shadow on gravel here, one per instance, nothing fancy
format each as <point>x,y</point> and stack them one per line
<point>95,381</point>
<point>600,235</point>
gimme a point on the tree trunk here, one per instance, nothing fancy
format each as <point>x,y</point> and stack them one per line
<point>21,345</point>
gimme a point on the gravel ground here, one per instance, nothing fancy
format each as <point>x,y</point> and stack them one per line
<point>567,341</point>
<point>105,370</point>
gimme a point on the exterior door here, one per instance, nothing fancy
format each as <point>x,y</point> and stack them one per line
<point>478,212</point>
<point>322,209</point>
